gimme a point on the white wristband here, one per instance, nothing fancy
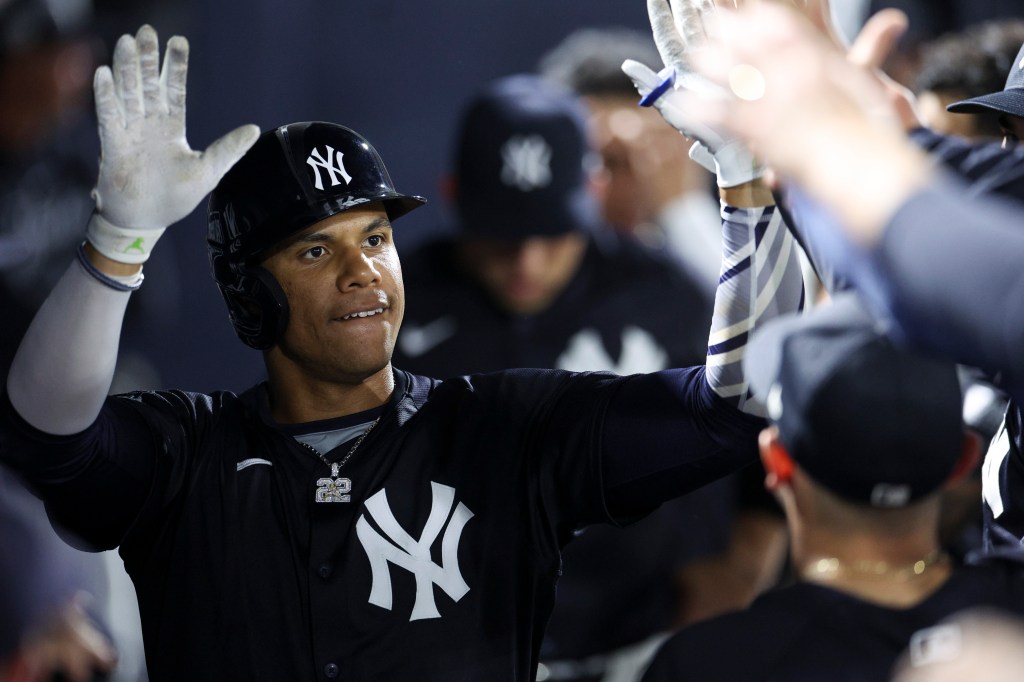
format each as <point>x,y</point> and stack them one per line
<point>735,165</point>
<point>121,244</point>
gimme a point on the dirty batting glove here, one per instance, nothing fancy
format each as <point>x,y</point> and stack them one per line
<point>149,177</point>
<point>678,28</point>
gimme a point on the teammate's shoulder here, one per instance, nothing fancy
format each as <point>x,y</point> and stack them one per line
<point>726,647</point>
<point>743,644</point>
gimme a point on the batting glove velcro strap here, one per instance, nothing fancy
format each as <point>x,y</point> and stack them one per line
<point>121,244</point>
<point>732,163</point>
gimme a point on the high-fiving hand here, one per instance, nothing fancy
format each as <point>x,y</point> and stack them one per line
<point>681,28</point>
<point>149,177</point>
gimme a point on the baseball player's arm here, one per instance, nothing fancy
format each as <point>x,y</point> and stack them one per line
<point>985,166</point>
<point>697,425</point>
<point>760,275</point>
<point>63,368</point>
<point>946,272</point>
<point>940,264</point>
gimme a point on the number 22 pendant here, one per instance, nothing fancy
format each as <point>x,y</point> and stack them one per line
<point>333,489</point>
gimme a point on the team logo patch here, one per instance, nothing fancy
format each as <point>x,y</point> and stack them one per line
<point>332,163</point>
<point>526,162</point>
<point>396,546</point>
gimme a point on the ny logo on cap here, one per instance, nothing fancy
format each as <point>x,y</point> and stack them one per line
<point>316,161</point>
<point>527,162</point>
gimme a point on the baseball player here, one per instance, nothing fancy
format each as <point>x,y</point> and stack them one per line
<point>863,437</point>
<point>344,519</point>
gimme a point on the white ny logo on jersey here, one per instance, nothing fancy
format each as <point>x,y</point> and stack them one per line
<point>316,161</point>
<point>414,555</point>
<point>527,162</point>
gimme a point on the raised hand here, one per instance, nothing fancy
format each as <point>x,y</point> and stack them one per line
<point>680,29</point>
<point>149,177</point>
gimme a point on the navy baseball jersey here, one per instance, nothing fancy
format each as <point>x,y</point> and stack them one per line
<point>807,632</point>
<point>611,316</point>
<point>430,554</point>
<point>618,586</point>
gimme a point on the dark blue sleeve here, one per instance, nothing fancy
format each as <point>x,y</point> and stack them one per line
<point>947,270</point>
<point>667,434</point>
<point>985,167</point>
<point>946,274</point>
<point>95,482</point>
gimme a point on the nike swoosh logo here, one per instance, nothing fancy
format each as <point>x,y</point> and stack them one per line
<point>415,340</point>
<point>246,463</point>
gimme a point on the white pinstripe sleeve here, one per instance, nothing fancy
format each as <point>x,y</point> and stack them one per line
<point>760,279</point>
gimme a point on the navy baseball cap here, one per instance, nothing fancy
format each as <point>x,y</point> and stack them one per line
<point>1009,100</point>
<point>523,161</point>
<point>872,422</point>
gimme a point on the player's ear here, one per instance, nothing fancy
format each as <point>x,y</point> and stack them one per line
<point>969,456</point>
<point>778,464</point>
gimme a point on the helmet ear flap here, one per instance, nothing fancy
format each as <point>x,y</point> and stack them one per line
<point>273,305</point>
<point>258,308</point>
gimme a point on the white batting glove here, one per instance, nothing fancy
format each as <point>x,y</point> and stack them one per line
<point>149,177</point>
<point>680,26</point>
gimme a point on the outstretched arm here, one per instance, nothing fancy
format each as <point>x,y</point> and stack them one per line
<point>671,432</point>
<point>760,275</point>
<point>149,178</point>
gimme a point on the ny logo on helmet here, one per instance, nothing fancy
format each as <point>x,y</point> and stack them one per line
<point>402,550</point>
<point>316,161</point>
<point>527,162</point>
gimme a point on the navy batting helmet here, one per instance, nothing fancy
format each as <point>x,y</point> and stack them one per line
<point>292,177</point>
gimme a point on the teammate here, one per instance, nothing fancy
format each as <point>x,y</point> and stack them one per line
<point>962,65</point>
<point>993,167</point>
<point>543,282</point>
<point>344,519</point>
<point>863,437</point>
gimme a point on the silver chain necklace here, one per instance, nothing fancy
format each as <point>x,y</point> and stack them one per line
<point>336,489</point>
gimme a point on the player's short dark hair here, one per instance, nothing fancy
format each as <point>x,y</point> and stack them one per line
<point>589,60</point>
<point>971,62</point>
